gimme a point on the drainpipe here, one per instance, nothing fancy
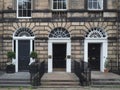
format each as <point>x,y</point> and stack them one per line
<point>118,33</point>
<point>2,26</point>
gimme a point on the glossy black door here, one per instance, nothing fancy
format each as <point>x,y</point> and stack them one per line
<point>59,56</point>
<point>23,54</point>
<point>94,56</point>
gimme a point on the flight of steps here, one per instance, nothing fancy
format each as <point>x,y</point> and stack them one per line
<point>59,79</point>
<point>20,79</point>
<point>105,82</point>
<point>15,82</point>
<point>100,79</point>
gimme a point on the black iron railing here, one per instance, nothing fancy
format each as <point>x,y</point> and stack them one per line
<point>114,67</point>
<point>83,72</point>
<point>3,65</point>
<point>36,73</point>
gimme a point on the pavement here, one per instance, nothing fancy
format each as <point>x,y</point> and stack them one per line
<point>103,75</point>
<point>18,75</point>
<point>82,88</point>
<point>59,76</point>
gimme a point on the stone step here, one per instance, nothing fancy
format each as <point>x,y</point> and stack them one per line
<point>15,85</point>
<point>60,86</point>
<point>15,79</point>
<point>52,82</point>
<point>105,82</point>
<point>14,82</point>
<point>59,79</point>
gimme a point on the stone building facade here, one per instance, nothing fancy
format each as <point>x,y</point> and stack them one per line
<point>70,30</point>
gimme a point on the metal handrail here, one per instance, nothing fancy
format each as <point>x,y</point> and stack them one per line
<point>83,72</point>
<point>35,78</point>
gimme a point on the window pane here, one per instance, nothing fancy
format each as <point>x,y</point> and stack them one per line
<point>59,4</point>
<point>55,0</point>
<point>95,5</point>
<point>90,5</point>
<point>20,7</point>
<point>29,6</point>
<point>29,13</point>
<point>24,8</point>
<point>64,5</point>
<point>100,4</point>
<point>20,13</point>
<point>24,13</point>
<point>54,5</point>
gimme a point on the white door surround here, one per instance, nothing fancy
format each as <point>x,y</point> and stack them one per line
<point>21,34</point>
<point>67,41</point>
<point>97,36</point>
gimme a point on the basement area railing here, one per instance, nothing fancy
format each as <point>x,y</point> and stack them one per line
<point>114,67</point>
<point>83,72</point>
<point>36,72</point>
<point>3,65</point>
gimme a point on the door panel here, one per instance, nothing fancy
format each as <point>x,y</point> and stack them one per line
<point>94,56</point>
<point>59,55</point>
<point>23,54</point>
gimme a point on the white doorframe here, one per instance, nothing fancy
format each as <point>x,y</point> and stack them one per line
<point>104,46</point>
<point>68,52</point>
<point>15,61</point>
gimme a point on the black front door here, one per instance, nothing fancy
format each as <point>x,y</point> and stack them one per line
<point>59,56</point>
<point>23,54</point>
<point>94,56</point>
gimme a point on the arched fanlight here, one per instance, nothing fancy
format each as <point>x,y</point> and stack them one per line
<point>59,33</point>
<point>23,32</point>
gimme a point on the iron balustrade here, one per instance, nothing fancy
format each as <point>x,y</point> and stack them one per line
<point>83,72</point>
<point>35,76</point>
<point>3,65</point>
<point>114,67</point>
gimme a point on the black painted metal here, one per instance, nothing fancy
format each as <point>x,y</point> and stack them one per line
<point>83,72</point>
<point>3,65</point>
<point>114,68</point>
<point>37,73</point>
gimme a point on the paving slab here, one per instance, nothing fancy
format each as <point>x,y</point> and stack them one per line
<point>59,76</point>
<point>18,75</point>
<point>102,75</point>
<point>82,88</point>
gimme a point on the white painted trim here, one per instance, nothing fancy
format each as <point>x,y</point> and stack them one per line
<point>50,61</point>
<point>104,48</point>
<point>50,52</point>
<point>22,38</point>
<point>16,65</point>
<point>31,49</point>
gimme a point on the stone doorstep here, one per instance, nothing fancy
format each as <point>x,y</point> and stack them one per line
<point>14,82</point>
<point>60,82</point>
<point>107,82</point>
<point>59,76</point>
<point>15,85</point>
